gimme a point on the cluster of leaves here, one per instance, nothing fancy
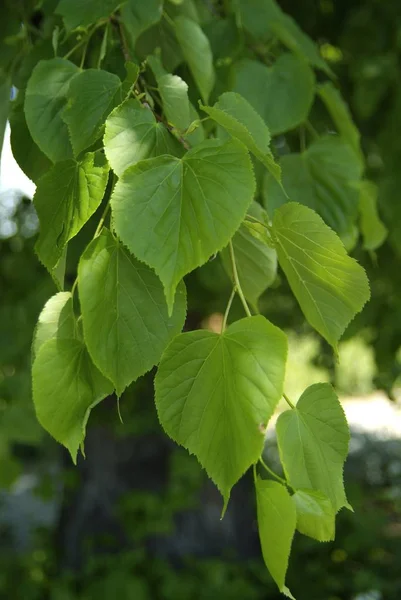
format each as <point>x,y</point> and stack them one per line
<point>172,117</point>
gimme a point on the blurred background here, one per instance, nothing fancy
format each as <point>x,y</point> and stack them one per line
<point>138,519</point>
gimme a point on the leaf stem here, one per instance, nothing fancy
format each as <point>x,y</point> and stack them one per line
<point>286,398</point>
<point>168,19</point>
<point>311,129</point>
<point>102,220</point>
<point>266,225</point>
<point>237,281</point>
<point>84,40</point>
<point>229,303</point>
<point>271,472</point>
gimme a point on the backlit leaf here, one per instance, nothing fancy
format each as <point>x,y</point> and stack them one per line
<point>173,214</point>
<point>315,515</point>
<point>330,287</point>
<point>124,311</point>
<point>55,321</point>
<point>313,441</point>
<point>242,122</point>
<point>132,134</point>
<point>276,524</point>
<point>66,386</point>
<point>213,392</point>
<point>372,228</point>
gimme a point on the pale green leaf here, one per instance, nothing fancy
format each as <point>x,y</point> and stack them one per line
<point>197,52</point>
<point>65,198</point>
<point>242,122</point>
<point>340,114</point>
<point>264,19</point>
<point>81,13</point>
<point>55,321</point>
<point>276,524</point>
<point>373,230</point>
<point>256,261</point>
<point>45,101</point>
<point>281,94</point>
<point>313,442</point>
<point>173,214</point>
<point>315,515</point>
<point>214,392</point>
<point>326,178</point>
<point>139,16</point>
<point>91,97</point>
<point>330,286</point>
<point>132,134</point>
<point>66,386</point>
<point>124,311</point>
<point>29,157</point>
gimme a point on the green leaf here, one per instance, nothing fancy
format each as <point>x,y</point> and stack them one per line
<point>197,52</point>
<point>174,95</point>
<point>45,101</point>
<point>81,13</point>
<point>132,134</point>
<point>66,386</point>
<point>173,214</point>
<point>139,16</point>
<point>55,321</point>
<point>197,136</point>
<point>160,36</point>
<point>124,311</point>
<point>281,94</point>
<point>331,287</point>
<point>29,157</point>
<point>242,122</point>
<point>313,442</point>
<point>256,261</point>
<point>276,524</point>
<point>341,115</point>
<point>91,97</point>
<point>213,392</point>
<point>264,18</point>
<point>315,515</point>
<point>372,228</point>
<point>66,197</point>
<point>326,178</point>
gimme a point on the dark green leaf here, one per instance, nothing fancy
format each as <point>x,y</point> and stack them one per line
<point>139,16</point>
<point>81,13</point>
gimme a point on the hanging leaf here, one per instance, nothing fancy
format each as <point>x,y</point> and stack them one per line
<point>276,524</point>
<point>65,199</point>
<point>66,386</point>
<point>132,134</point>
<point>341,115</point>
<point>45,101</point>
<point>256,260</point>
<point>197,52</point>
<point>313,441</point>
<point>55,321</point>
<point>213,392</point>
<point>79,13</point>
<point>315,515</point>
<point>27,154</point>
<point>243,123</point>
<point>91,97</point>
<point>173,214</point>
<point>325,177</point>
<point>124,311</point>
<point>373,230</point>
<point>331,287</point>
<point>281,94</point>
